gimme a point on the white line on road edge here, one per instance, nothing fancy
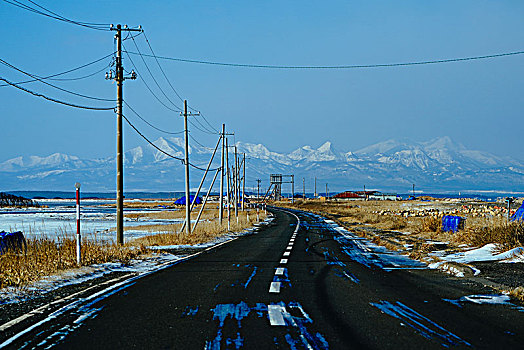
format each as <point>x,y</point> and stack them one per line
<point>103,294</point>
<point>283,261</point>
<point>280,271</point>
<point>276,315</point>
<point>286,253</point>
<point>274,287</point>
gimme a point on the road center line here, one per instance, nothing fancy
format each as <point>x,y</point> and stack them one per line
<point>274,287</point>
<point>283,261</point>
<point>280,271</point>
<point>287,253</point>
<point>276,315</point>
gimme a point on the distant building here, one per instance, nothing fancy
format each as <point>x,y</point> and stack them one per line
<point>347,196</point>
<point>362,195</point>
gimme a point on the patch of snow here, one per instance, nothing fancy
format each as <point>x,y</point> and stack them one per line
<point>485,253</point>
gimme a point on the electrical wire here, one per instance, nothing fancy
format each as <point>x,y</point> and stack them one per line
<point>55,100</point>
<point>161,150</point>
<point>151,125</point>
<point>54,86</point>
<point>162,70</point>
<point>53,15</point>
<point>67,71</point>
<point>152,76</point>
<point>208,123</point>
<point>200,129</point>
<point>147,86</point>
<point>356,66</point>
<point>198,143</point>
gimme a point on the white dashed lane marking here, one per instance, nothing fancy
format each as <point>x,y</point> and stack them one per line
<point>280,271</point>
<point>283,261</point>
<point>286,253</point>
<point>276,315</point>
<point>274,287</point>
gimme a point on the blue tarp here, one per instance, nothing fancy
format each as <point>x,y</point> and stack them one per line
<point>182,200</point>
<point>519,214</point>
<point>13,241</point>
<point>452,223</point>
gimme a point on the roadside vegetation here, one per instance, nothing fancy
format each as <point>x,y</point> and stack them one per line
<point>47,256</point>
<point>418,224</point>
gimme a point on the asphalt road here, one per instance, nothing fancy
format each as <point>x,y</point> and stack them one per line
<point>333,290</point>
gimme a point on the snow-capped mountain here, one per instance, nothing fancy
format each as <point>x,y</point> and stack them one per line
<point>438,164</point>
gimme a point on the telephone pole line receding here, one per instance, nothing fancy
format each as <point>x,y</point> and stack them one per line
<point>119,78</point>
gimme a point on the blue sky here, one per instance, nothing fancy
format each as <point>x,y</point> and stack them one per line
<point>477,103</point>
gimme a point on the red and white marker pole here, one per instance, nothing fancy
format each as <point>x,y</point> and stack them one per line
<point>78,237</point>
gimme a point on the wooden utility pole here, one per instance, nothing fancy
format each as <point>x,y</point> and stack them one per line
<point>186,161</point>
<point>235,181</point>
<point>119,78</point>
<point>327,193</point>
<point>315,187</point>
<point>228,190</point>
<point>303,188</point>
<point>292,189</point>
<point>221,200</point>
<point>243,181</point>
<point>258,189</point>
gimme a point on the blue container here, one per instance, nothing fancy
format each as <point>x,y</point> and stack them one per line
<point>452,223</point>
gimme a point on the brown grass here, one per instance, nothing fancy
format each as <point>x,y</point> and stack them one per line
<point>404,215</point>
<point>205,231</point>
<point>517,293</point>
<point>45,256</point>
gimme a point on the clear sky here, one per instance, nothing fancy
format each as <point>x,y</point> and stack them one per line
<point>477,103</point>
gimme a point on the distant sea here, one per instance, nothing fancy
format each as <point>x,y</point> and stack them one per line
<point>481,195</point>
<point>94,195</point>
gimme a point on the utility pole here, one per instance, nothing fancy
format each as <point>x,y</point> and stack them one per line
<point>258,189</point>
<point>228,189</point>
<point>186,161</point>
<point>413,191</point>
<point>303,188</point>
<point>315,187</point>
<point>119,78</point>
<point>292,189</point>
<point>243,181</point>
<point>221,200</point>
<point>327,193</point>
<point>235,174</point>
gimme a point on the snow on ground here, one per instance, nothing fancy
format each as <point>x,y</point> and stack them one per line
<point>489,252</point>
<point>58,220</point>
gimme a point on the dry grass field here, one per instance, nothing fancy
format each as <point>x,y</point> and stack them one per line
<point>396,224</point>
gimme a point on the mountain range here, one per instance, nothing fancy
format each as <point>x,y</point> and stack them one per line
<point>394,165</point>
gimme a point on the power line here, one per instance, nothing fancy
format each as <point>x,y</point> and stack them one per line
<point>208,123</point>
<point>147,86</point>
<point>152,76</point>
<point>162,70</point>
<point>53,86</point>
<point>67,71</point>
<point>151,125</point>
<point>55,100</point>
<point>53,15</point>
<point>199,128</point>
<point>198,143</point>
<point>159,149</point>
<point>356,66</point>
